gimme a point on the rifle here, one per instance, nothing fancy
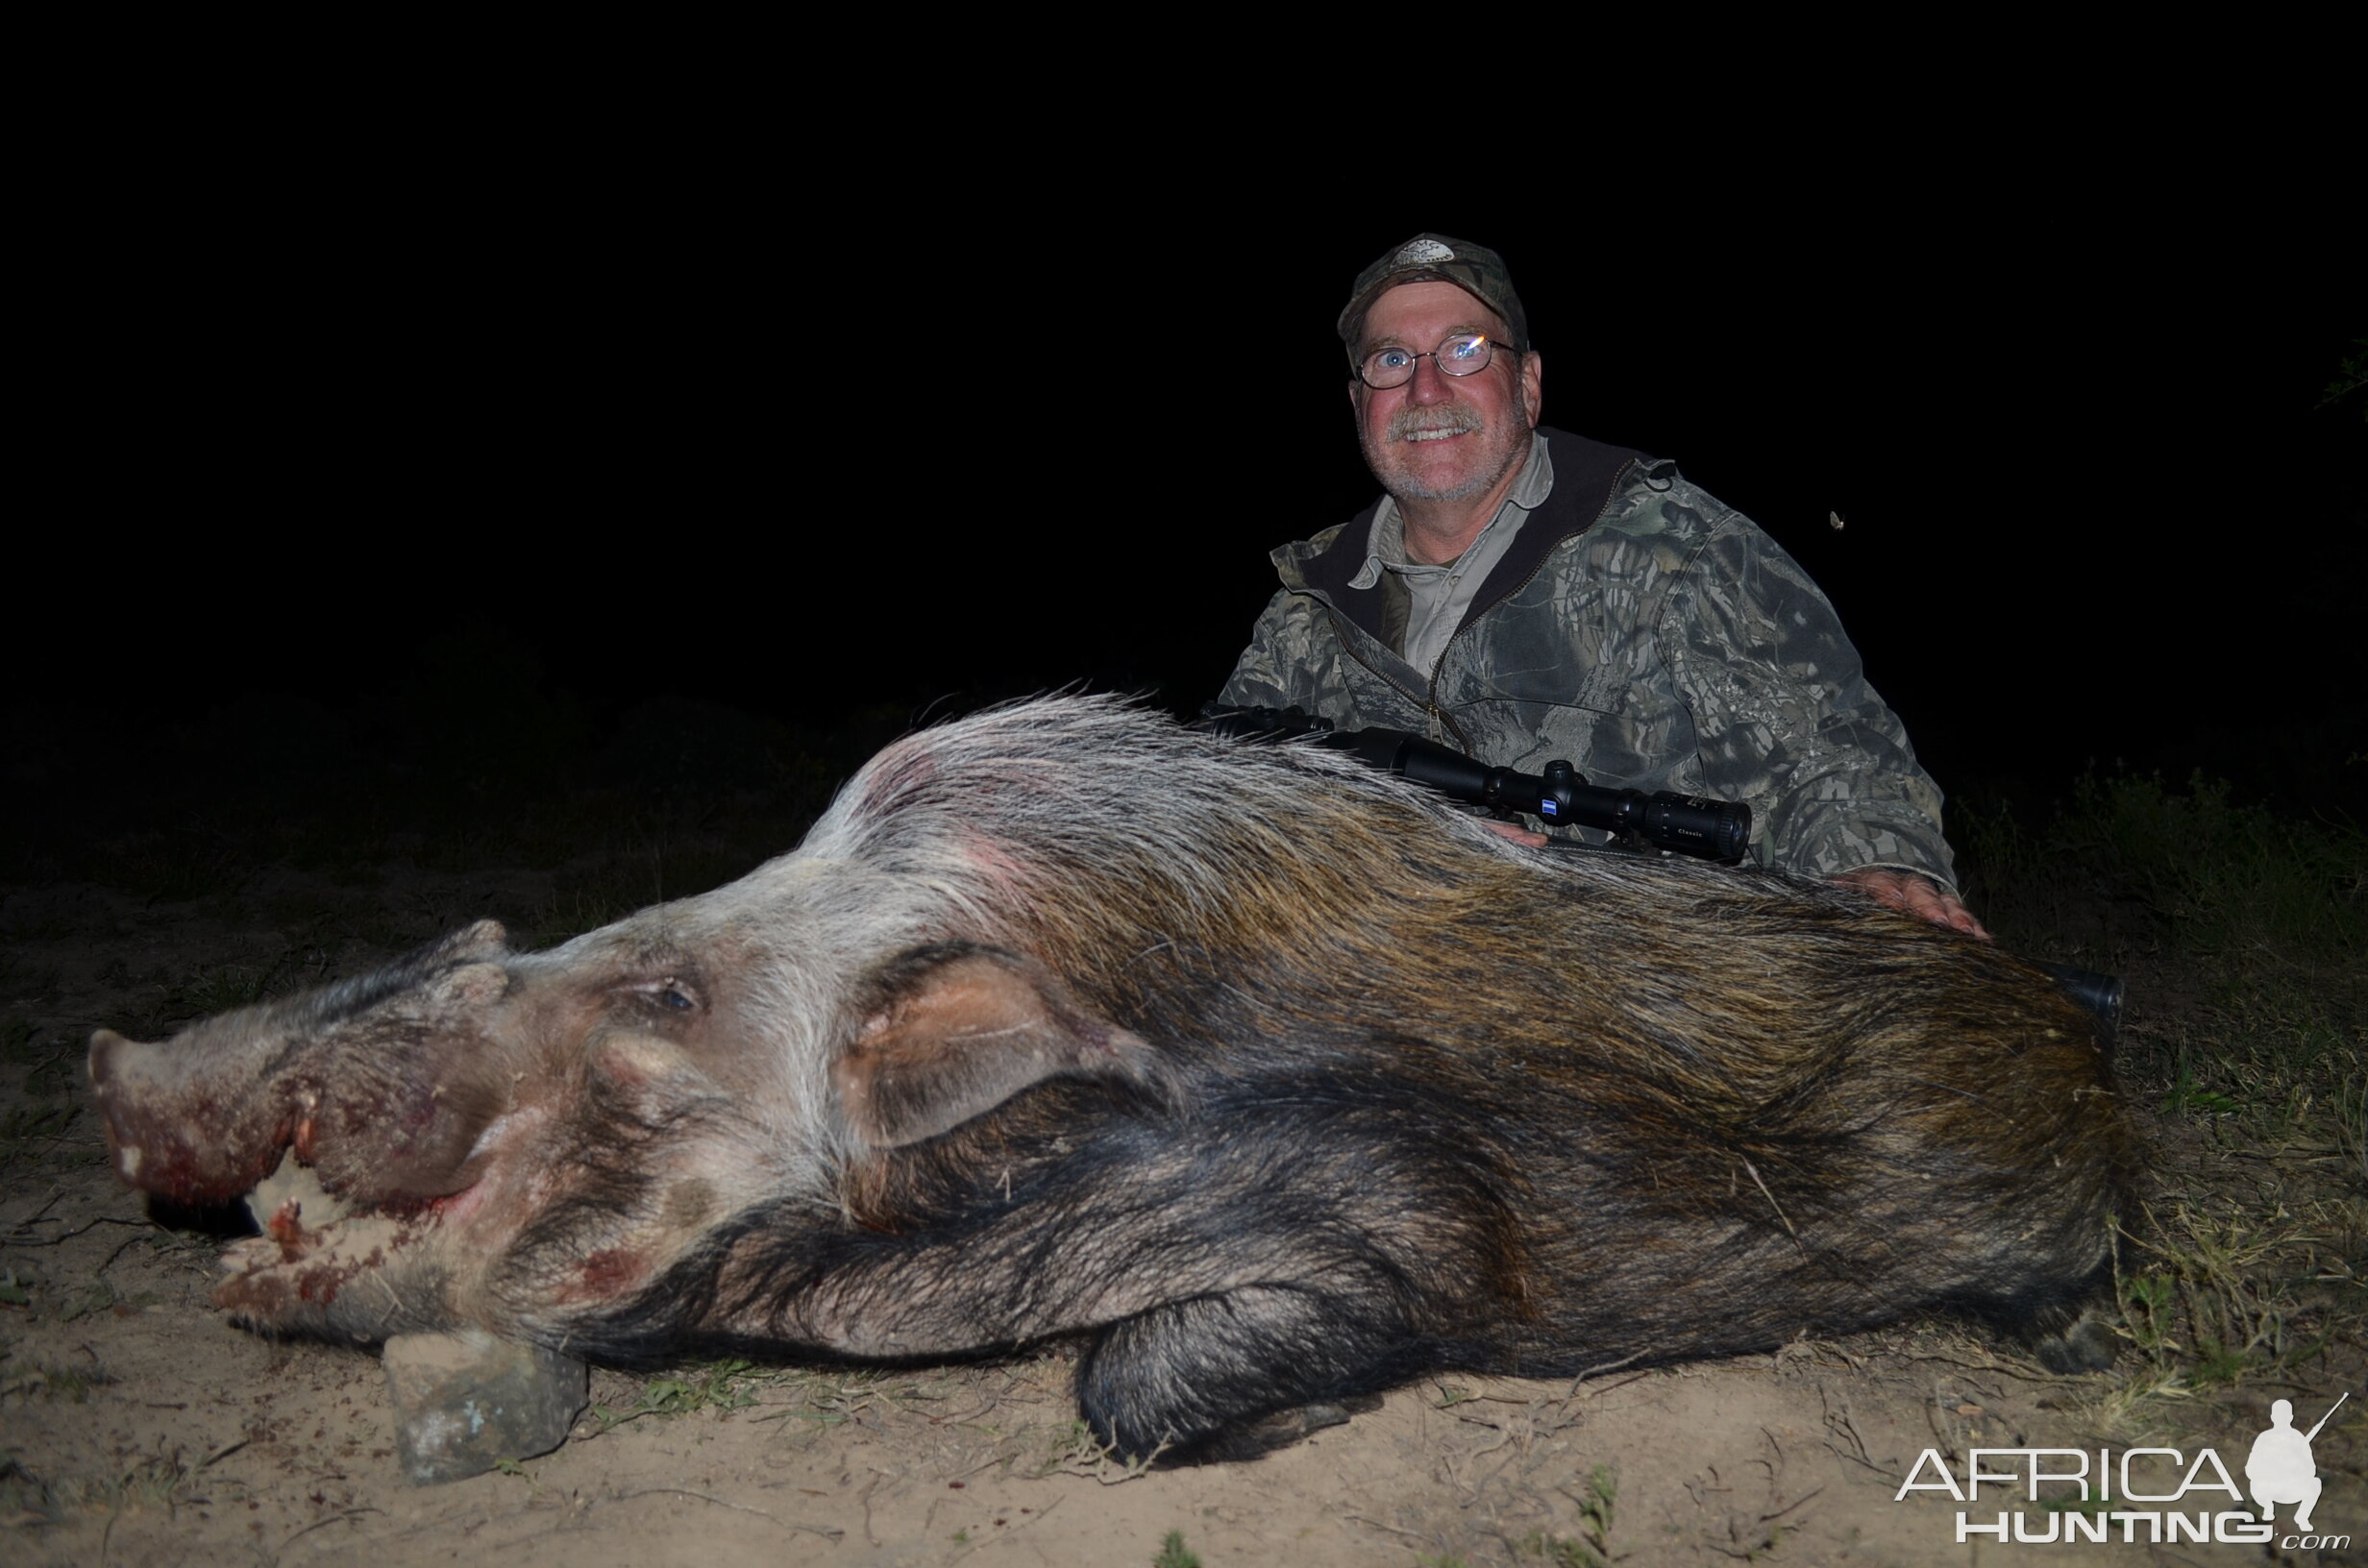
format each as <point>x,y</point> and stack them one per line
<point>1718,830</point>
<point>1687,824</point>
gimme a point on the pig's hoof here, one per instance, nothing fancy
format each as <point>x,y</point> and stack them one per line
<point>1280,1430</point>
<point>2087,1346</point>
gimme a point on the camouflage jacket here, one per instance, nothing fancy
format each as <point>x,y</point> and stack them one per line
<point>1644,631</point>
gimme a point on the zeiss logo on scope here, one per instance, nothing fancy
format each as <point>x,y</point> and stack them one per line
<point>1547,808</point>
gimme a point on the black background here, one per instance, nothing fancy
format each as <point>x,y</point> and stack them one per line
<point>606,421</point>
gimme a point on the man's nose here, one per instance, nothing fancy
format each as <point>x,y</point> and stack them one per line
<point>1430,383</point>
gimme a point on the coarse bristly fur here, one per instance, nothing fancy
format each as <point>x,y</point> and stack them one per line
<point>1284,1079</point>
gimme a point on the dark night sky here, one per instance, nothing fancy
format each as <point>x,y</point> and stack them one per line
<point>655,428</point>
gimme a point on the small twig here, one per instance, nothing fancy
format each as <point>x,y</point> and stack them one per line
<point>17,1239</point>
<point>1412,1535</point>
<point>1580,1382</point>
<point>335,1518</point>
<point>865,1498</point>
<point>982,1541</point>
<point>830,1531</point>
<point>126,1245</point>
<point>1481,1397</point>
<point>1598,1393</point>
<point>1607,1366</point>
<point>1754,1171</point>
<point>51,1202</point>
<point>987,1463</point>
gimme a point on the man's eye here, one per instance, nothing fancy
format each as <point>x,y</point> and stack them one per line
<point>1466,348</point>
<point>1392,359</point>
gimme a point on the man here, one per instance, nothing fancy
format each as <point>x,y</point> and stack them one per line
<point>1522,594</point>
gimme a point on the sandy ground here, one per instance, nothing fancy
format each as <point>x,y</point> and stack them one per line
<point>141,1428</point>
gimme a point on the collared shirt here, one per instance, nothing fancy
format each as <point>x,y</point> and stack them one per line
<point>1438,598</point>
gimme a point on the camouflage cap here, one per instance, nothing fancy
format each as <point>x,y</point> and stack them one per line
<point>1475,269</point>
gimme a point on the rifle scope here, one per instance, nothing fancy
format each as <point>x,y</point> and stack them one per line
<point>1687,824</point>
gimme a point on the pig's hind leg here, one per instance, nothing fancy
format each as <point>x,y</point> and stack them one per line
<point>2065,1327</point>
<point>1238,1374</point>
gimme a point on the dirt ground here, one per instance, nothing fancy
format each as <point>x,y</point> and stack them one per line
<point>137,1426</point>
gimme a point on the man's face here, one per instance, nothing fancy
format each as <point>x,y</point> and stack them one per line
<point>1443,438</point>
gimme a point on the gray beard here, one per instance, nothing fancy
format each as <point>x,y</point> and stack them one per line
<point>1400,482</point>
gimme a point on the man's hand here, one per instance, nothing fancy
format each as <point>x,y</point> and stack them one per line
<point>1917,896</point>
<point>1513,831</point>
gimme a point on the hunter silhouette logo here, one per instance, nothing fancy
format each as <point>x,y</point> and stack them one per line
<point>2280,1469</point>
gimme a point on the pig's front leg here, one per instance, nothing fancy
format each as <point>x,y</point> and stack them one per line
<point>1236,1375</point>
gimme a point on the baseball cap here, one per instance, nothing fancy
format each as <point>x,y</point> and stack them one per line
<point>1475,269</point>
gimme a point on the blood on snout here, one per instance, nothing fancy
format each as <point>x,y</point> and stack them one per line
<point>286,1227</point>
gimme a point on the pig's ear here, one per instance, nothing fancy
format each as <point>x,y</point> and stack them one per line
<point>954,1029</point>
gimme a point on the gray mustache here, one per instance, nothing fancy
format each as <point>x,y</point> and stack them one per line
<point>1406,421</point>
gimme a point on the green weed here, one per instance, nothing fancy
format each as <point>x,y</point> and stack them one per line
<point>1559,1551</point>
<point>1592,1546</point>
<point>50,1380</point>
<point>724,1385</point>
<point>1174,1554</point>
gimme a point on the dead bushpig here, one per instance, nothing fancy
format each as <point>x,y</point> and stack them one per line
<point>1280,1077</point>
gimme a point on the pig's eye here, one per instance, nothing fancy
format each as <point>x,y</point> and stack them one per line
<point>670,995</point>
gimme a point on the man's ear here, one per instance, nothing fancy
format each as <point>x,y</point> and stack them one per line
<point>1532,392</point>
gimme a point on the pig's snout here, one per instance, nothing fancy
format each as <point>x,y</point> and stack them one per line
<point>381,1084</point>
<point>171,1133</point>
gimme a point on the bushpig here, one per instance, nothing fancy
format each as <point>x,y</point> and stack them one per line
<point>1278,1078</point>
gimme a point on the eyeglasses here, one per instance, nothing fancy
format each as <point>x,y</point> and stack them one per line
<point>1466,353</point>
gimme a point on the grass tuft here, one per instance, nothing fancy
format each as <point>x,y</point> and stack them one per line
<point>1598,1498</point>
<point>2242,933</point>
